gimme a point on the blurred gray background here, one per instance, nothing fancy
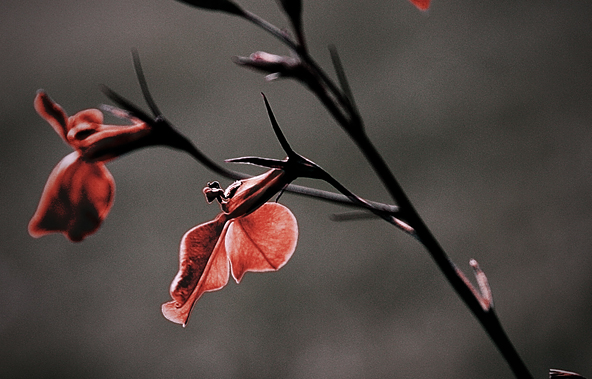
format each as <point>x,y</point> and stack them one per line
<point>482,109</point>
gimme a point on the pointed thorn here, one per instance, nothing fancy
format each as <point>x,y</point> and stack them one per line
<point>144,84</point>
<point>276,128</point>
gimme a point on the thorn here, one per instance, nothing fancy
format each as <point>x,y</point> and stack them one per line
<point>144,84</point>
<point>276,128</point>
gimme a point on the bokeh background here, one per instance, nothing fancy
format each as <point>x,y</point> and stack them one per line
<point>482,109</point>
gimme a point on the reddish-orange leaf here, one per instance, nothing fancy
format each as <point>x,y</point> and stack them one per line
<point>203,267</point>
<point>76,199</point>
<point>421,4</point>
<point>261,241</point>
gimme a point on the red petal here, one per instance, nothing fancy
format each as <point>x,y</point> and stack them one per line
<point>261,241</point>
<point>422,5</point>
<point>76,199</point>
<point>112,141</point>
<point>203,266</point>
<point>52,113</point>
<point>82,125</point>
<point>87,116</point>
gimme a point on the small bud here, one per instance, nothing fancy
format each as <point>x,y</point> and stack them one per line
<point>276,65</point>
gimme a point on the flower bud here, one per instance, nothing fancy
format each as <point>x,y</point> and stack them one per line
<point>275,65</point>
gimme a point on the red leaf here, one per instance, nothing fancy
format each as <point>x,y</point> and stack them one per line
<point>422,5</point>
<point>203,267</point>
<point>76,199</point>
<point>261,241</point>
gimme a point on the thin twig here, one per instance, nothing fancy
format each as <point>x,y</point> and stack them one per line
<point>345,87</point>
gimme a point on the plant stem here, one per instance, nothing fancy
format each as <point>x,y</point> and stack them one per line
<point>487,318</point>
